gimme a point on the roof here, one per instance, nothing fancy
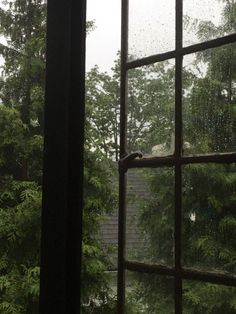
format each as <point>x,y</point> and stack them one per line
<point>136,189</point>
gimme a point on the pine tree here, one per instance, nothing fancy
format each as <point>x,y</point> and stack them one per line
<point>209,191</point>
<point>23,24</point>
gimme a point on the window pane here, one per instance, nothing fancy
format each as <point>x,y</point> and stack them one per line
<point>149,293</point>
<point>209,217</point>
<point>200,297</point>
<point>150,215</point>
<point>151,94</point>
<point>209,108</point>
<point>151,27</point>
<point>207,19</point>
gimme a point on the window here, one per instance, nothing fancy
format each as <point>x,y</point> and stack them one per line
<point>193,126</point>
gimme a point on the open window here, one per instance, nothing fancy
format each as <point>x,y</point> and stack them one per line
<point>177,168</point>
<point>188,161</point>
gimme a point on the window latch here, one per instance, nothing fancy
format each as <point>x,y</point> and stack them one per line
<point>123,162</point>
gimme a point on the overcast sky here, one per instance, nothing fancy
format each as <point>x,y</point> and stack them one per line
<point>152,27</point>
<point>104,42</point>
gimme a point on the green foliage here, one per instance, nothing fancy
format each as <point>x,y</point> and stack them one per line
<point>150,106</point>
<point>23,25</point>
<point>102,108</point>
<point>208,298</point>
<point>99,200</point>
<point>209,191</point>
<point>149,294</point>
<point>20,205</point>
<point>156,218</point>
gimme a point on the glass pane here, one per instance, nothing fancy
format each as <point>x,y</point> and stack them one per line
<point>151,27</point>
<point>149,293</point>
<point>209,217</point>
<point>100,216</point>
<point>22,81</point>
<point>207,19</point>
<point>151,96</point>
<point>109,223</point>
<point>150,215</point>
<point>209,107</point>
<point>200,297</point>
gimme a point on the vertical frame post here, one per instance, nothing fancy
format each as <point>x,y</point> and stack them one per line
<point>178,155</point>
<point>63,158</point>
<point>123,152</point>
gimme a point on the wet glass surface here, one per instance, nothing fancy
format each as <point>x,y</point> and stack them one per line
<point>150,216</point>
<point>209,109</point>
<point>150,118</point>
<point>209,217</point>
<point>151,27</point>
<point>201,297</point>
<point>207,19</point>
<point>149,293</point>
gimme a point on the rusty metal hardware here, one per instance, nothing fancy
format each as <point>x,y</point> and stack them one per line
<point>123,162</point>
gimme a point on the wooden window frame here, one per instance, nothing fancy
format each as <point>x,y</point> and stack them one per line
<point>61,242</point>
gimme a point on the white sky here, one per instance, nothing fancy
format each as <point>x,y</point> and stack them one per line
<point>104,42</point>
<point>152,27</point>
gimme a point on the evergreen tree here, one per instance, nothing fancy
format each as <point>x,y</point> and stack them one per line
<point>209,191</point>
<point>23,24</point>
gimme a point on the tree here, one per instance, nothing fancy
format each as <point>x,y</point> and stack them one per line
<point>21,154</point>
<point>150,116</point>
<point>102,106</point>
<point>209,191</point>
<point>23,24</point>
<point>209,238</point>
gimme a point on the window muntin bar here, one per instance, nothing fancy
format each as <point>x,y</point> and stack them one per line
<point>177,160</point>
<point>183,51</point>
<point>192,274</point>
<point>171,160</point>
<point>122,175</point>
<point>178,154</point>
